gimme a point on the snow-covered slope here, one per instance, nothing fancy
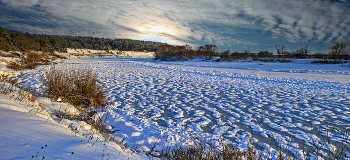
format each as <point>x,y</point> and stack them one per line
<point>25,129</point>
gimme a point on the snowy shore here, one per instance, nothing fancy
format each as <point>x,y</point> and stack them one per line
<point>174,101</point>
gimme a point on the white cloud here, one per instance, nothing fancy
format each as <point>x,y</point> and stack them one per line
<point>20,3</point>
<point>205,20</point>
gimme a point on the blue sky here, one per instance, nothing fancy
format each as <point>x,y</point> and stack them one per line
<point>234,25</point>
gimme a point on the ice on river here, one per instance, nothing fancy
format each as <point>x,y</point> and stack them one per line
<point>151,101</point>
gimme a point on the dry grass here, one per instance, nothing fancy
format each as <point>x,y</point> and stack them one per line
<point>78,54</point>
<point>32,57</point>
<point>103,55</point>
<point>203,149</point>
<point>46,61</point>
<point>18,93</point>
<point>6,89</point>
<point>5,54</point>
<point>59,56</point>
<point>15,66</point>
<point>18,67</point>
<point>3,77</point>
<point>52,58</point>
<point>97,123</point>
<point>28,61</point>
<point>90,117</point>
<point>24,93</point>
<point>77,87</point>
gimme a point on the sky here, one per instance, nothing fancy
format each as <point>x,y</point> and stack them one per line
<point>234,25</point>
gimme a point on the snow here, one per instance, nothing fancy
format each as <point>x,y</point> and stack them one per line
<point>4,70</point>
<point>128,54</point>
<point>174,101</point>
<point>23,133</point>
<point>295,70</point>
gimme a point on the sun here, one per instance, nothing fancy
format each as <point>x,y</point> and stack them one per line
<point>157,38</point>
<point>159,29</point>
<point>156,33</point>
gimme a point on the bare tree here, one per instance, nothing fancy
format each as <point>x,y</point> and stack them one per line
<point>265,54</point>
<point>211,50</point>
<point>245,54</point>
<point>281,50</point>
<point>225,56</point>
<point>337,50</point>
<point>304,50</point>
<point>207,50</point>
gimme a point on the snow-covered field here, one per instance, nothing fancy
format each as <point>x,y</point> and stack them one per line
<point>174,101</point>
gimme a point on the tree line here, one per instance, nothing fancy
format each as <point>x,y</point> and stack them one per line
<point>337,53</point>
<point>24,42</point>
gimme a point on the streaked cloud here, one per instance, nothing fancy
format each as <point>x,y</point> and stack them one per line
<point>237,24</point>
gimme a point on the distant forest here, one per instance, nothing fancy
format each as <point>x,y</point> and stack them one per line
<point>17,41</point>
<point>24,42</point>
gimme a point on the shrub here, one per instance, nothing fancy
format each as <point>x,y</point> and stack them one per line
<point>224,56</point>
<point>327,61</point>
<point>265,54</point>
<point>32,57</point>
<point>171,53</point>
<point>18,67</point>
<point>14,66</point>
<point>284,60</point>
<point>77,87</point>
<point>237,56</point>
<point>28,61</point>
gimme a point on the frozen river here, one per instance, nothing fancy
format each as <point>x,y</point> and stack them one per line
<point>150,101</point>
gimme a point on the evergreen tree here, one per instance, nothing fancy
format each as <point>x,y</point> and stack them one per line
<point>5,40</point>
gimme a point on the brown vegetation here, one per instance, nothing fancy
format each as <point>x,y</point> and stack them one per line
<point>17,92</point>
<point>77,87</point>
<point>202,149</point>
<point>59,55</point>
<point>27,61</point>
<point>172,53</point>
<point>78,54</point>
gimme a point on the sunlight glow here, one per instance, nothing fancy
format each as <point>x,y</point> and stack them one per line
<point>157,38</point>
<point>159,29</point>
<point>156,33</point>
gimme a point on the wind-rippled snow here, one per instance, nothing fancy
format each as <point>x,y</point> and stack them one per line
<point>151,101</point>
